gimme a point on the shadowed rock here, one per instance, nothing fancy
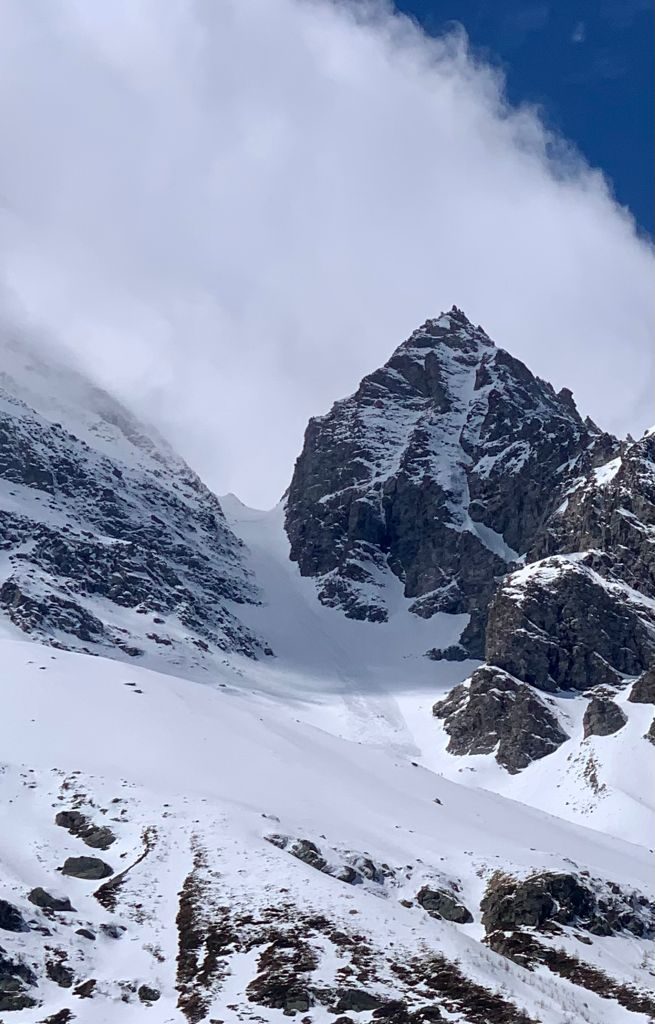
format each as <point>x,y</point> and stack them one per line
<point>558,624</point>
<point>602,717</point>
<point>40,898</point>
<point>494,713</point>
<point>88,868</point>
<point>440,903</point>
<point>643,690</point>
<point>11,919</point>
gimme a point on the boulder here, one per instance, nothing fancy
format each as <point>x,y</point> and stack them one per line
<point>111,930</point>
<point>40,898</point>
<point>98,837</point>
<point>440,903</point>
<point>602,717</point>
<point>147,994</point>
<point>88,868</point>
<point>308,853</point>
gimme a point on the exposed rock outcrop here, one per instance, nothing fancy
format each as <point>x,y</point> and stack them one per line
<point>559,624</point>
<point>643,690</point>
<point>602,717</point>
<point>495,713</point>
<point>547,899</point>
<point>611,510</point>
<point>16,980</point>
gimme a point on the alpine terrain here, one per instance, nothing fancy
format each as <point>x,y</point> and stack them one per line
<point>381,755</point>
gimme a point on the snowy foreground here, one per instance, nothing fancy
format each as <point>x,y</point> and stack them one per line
<point>327,744</point>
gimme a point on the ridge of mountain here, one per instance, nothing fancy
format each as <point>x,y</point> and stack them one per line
<point>110,542</point>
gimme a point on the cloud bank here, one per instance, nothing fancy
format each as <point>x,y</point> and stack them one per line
<point>231,211</point>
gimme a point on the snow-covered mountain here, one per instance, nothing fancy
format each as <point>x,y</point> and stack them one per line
<point>110,542</point>
<point>442,469</point>
<point>380,754</point>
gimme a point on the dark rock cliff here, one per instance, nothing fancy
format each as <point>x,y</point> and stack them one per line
<point>442,469</point>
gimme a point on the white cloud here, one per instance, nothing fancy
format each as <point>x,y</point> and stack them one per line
<point>231,211</point>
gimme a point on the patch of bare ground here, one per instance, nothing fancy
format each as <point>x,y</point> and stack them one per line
<point>525,950</point>
<point>459,994</point>
<point>205,939</point>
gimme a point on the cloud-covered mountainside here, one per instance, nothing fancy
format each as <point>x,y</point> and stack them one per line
<point>378,755</point>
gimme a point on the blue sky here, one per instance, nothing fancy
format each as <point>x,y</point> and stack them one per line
<point>588,63</point>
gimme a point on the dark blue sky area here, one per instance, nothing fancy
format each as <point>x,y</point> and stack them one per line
<point>588,63</point>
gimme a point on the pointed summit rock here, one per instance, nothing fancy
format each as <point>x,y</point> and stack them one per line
<point>441,470</point>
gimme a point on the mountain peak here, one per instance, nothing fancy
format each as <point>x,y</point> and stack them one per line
<point>452,329</point>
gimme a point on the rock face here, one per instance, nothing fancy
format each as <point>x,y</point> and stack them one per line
<point>495,713</point>
<point>611,510</point>
<point>603,717</point>
<point>643,691</point>
<point>584,617</point>
<point>548,899</point>
<point>442,468</point>
<point>560,624</point>
<point>100,523</point>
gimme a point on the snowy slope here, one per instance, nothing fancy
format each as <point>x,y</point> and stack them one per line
<point>371,682</point>
<point>198,777</point>
<point>274,822</point>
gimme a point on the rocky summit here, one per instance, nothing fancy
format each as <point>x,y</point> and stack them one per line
<point>379,754</point>
<point>443,469</point>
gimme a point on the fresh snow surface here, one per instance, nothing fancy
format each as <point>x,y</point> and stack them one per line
<point>372,682</point>
<point>210,770</point>
<point>603,474</point>
<point>332,740</point>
